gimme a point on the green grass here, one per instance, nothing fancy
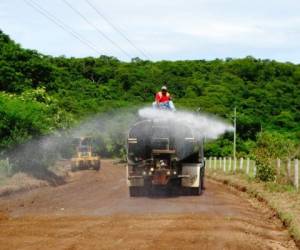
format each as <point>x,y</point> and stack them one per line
<point>275,187</point>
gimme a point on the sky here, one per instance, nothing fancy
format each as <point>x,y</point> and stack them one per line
<point>158,29</point>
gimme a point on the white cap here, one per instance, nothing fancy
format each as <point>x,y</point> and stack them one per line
<point>164,88</point>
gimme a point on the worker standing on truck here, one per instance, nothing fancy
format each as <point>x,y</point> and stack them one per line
<point>163,99</point>
<point>163,95</point>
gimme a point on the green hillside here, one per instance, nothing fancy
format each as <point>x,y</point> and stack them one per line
<point>40,93</point>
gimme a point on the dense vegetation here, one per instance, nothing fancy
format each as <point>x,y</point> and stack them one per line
<point>41,93</point>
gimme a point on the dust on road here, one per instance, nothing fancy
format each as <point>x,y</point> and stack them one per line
<point>93,211</point>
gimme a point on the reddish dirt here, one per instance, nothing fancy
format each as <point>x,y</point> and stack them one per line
<point>93,211</point>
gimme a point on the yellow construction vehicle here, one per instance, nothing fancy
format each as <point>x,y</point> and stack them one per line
<point>85,159</point>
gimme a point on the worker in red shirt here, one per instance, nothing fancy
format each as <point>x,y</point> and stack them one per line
<point>162,96</point>
<point>163,99</point>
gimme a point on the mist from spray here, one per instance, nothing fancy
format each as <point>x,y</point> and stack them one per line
<point>202,125</point>
<point>35,156</point>
<point>109,123</point>
<point>109,131</point>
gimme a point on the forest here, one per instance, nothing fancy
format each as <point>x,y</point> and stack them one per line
<point>40,94</point>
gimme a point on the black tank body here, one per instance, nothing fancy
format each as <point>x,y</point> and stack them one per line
<point>147,136</point>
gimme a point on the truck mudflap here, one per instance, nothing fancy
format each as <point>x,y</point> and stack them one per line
<point>160,178</point>
<point>135,182</point>
<point>191,175</point>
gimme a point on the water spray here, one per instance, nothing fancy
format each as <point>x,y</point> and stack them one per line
<point>203,125</point>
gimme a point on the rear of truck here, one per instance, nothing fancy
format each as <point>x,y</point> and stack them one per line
<point>164,156</point>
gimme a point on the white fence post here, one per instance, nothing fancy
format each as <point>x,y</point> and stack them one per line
<point>247,166</point>
<point>241,163</point>
<point>278,163</point>
<point>234,164</point>
<point>224,164</point>
<point>220,162</point>
<point>209,162</point>
<point>7,166</point>
<point>296,177</point>
<point>254,169</point>
<point>215,162</point>
<point>288,167</point>
<point>229,165</point>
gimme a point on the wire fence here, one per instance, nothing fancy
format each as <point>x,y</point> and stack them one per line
<point>287,171</point>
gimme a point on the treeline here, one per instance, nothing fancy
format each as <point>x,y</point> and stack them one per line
<point>42,93</point>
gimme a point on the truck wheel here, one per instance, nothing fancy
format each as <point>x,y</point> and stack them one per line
<point>175,187</point>
<point>97,167</point>
<point>196,191</point>
<point>202,175</point>
<point>135,191</point>
<point>73,168</point>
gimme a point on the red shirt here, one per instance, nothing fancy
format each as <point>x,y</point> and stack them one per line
<point>162,98</point>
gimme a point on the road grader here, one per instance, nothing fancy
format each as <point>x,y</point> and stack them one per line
<point>85,158</point>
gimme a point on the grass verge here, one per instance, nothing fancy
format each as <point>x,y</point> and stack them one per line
<point>283,199</point>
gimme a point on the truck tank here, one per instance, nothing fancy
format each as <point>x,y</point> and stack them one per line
<point>165,155</point>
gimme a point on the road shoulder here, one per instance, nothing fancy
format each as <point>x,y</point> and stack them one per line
<point>285,203</point>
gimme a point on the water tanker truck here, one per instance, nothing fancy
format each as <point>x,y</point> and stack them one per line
<point>164,155</point>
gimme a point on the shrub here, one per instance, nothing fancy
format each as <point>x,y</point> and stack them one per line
<point>271,145</point>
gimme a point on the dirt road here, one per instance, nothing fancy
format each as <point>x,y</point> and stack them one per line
<point>93,211</point>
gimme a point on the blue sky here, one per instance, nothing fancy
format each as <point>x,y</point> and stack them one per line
<point>170,30</point>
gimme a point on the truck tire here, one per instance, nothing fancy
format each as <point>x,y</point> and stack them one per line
<point>175,187</point>
<point>73,168</point>
<point>136,191</point>
<point>196,191</point>
<point>202,177</point>
<point>97,166</point>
